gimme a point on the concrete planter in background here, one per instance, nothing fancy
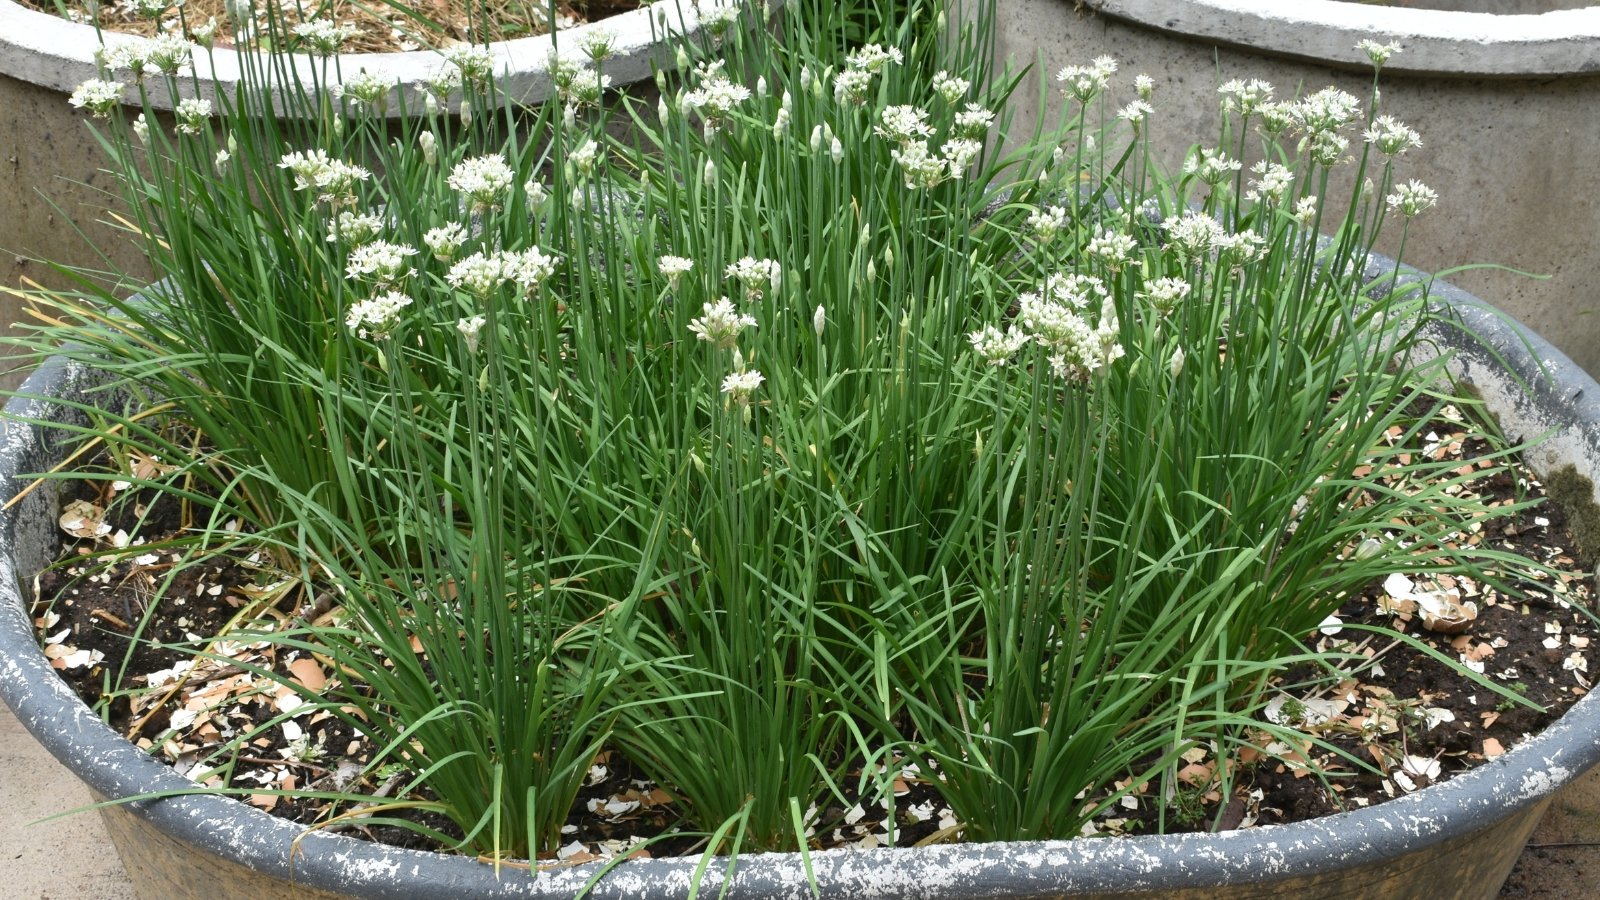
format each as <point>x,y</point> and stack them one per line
<point>54,190</point>
<point>1456,839</point>
<point>1508,106</point>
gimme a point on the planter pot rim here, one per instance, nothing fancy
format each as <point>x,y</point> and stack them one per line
<point>47,50</point>
<point>1558,392</point>
<point>1435,42</point>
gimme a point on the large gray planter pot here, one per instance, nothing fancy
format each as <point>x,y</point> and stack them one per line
<point>1502,91</point>
<point>54,189</point>
<point>1457,839</point>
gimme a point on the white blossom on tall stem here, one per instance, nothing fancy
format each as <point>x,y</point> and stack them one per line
<point>320,37</point>
<point>529,268</point>
<point>1210,166</point>
<point>1114,249</point>
<point>192,115</point>
<point>484,180</point>
<point>1392,137</point>
<point>996,346</point>
<point>1376,52</point>
<point>380,262</point>
<point>1046,223</point>
<point>443,242</point>
<point>354,228</point>
<point>721,324</point>
<point>1245,97</point>
<point>950,88</point>
<point>740,385</point>
<point>674,268</point>
<point>1084,83</point>
<point>479,274</point>
<point>376,317</point>
<point>755,275</point>
<point>97,96</point>
<point>1272,182</point>
<point>1412,198</point>
<point>470,328</point>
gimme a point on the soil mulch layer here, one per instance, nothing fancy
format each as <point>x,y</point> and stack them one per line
<point>1399,718</point>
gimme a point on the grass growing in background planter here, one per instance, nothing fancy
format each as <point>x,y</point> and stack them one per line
<point>802,436</point>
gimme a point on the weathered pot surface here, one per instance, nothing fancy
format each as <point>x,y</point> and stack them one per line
<point>1456,839</point>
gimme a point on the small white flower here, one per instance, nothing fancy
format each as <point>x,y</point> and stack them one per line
<point>376,317</point>
<point>873,57</point>
<point>997,347</point>
<point>470,329</point>
<point>536,192</point>
<point>718,19</point>
<point>354,228</point>
<point>1114,249</point>
<point>484,180</point>
<point>141,129</point>
<point>1376,52</point>
<point>1084,83</point>
<point>1412,198</point>
<point>443,242</point>
<point>1327,110</point>
<point>204,35</point>
<point>973,121</point>
<point>1166,293</point>
<point>583,157</point>
<point>921,168</point>
<point>850,85</point>
<point>904,124</point>
<point>97,96</point>
<point>366,89</point>
<point>323,38</point>
<point>1391,137</point>
<point>755,274</point>
<point>1210,166</point>
<point>1047,223</point>
<point>220,161</point>
<point>740,385</point>
<point>478,274</point>
<point>476,64</point>
<point>1272,184</point>
<point>380,262</point>
<point>599,44</point>
<point>721,324</point>
<point>1305,210</point>
<point>949,87</point>
<point>1135,113</point>
<point>715,98</point>
<point>1192,234</point>
<point>1247,97</point>
<point>1144,86</point>
<point>674,267</point>
<point>192,115</point>
<point>529,268</point>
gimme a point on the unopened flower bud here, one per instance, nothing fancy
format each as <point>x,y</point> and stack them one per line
<point>429,144</point>
<point>710,173</point>
<point>819,320</point>
<point>466,111</point>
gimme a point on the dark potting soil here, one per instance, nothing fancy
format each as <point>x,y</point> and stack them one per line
<point>1401,721</point>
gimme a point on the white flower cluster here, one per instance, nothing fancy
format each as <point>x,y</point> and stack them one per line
<point>192,114</point>
<point>949,87</point>
<point>996,346</point>
<point>481,274</point>
<point>445,241</point>
<point>715,98</point>
<point>1084,83</point>
<point>904,124</point>
<point>1391,137</point>
<point>483,180</point>
<point>850,85</point>
<point>1272,182</point>
<point>755,275</point>
<point>674,267</point>
<point>1113,249</point>
<point>380,262</point>
<point>1210,166</point>
<point>721,324</point>
<point>1412,198</point>
<point>1046,223</point>
<point>973,121</point>
<point>1076,348</point>
<point>577,84</point>
<point>320,37</point>
<point>741,384</point>
<point>99,97</point>
<point>376,318</point>
<point>354,228</point>
<point>162,55</point>
<point>716,20</point>
<point>1376,52</point>
<point>1164,294</point>
<point>1245,97</point>
<point>334,180</point>
<point>367,89</point>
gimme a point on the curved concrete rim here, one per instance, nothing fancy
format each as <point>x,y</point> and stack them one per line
<point>1434,42</point>
<point>1502,357</point>
<point>49,51</point>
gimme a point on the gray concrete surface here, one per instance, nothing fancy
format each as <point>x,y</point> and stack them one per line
<point>64,859</point>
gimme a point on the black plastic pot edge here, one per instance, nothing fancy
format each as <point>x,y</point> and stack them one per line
<point>1508,792</point>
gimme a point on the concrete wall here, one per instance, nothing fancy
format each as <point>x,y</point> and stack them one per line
<point>1513,159</point>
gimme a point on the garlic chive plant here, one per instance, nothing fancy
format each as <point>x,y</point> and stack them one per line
<point>797,437</point>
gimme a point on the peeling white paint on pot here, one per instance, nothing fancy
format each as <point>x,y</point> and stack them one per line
<point>1456,839</point>
<point>1505,104</point>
